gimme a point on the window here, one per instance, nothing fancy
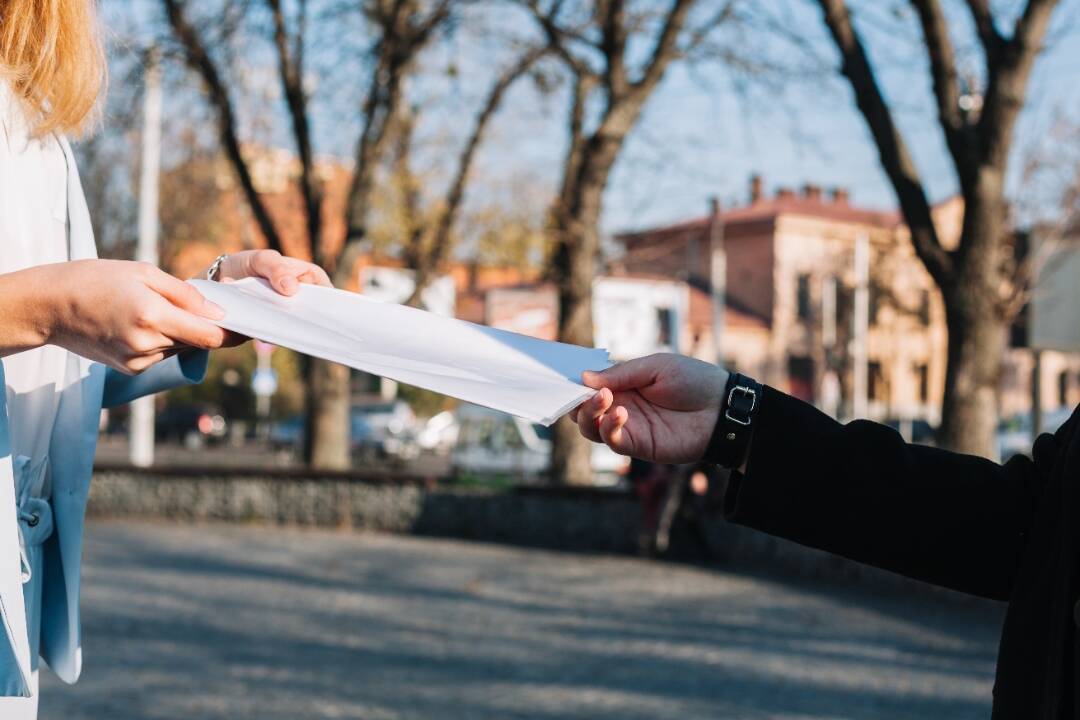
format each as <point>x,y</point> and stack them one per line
<point>924,307</point>
<point>1063,388</point>
<point>922,376</point>
<point>875,381</point>
<point>802,296</point>
<point>875,300</point>
<point>801,378</point>
<point>511,436</point>
<point>664,323</point>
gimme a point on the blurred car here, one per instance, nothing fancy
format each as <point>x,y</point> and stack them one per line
<point>194,426</point>
<point>493,443</point>
<point>439,433</point>
<point>916,431</point>
<point>288,434</point>
<point>383,430</point>
<point>1014,434</point>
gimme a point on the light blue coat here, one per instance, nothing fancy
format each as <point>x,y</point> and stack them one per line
<point>71,459</point>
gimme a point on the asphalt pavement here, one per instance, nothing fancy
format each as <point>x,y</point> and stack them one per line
<point>255,622</point>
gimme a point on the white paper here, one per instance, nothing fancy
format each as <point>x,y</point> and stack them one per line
<point>535,379</point>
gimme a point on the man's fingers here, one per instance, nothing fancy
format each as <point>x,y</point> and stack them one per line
<point>182,294</point>
<point>591,411</point>
<point>629,375</point>
<point>612,432</point>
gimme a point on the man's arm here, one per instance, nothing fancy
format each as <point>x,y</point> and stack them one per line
<point>859,490</point>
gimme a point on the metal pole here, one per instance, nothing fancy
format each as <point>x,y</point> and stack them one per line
<point>1036,395</point>
<point>142,410</point>
<point>718,280</point>
<point>859,354</point>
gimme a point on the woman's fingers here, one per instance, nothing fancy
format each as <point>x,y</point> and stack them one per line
<point>316,276</point>
<point>185,328</point>
<point>285,274</point>
<point>181,294</point>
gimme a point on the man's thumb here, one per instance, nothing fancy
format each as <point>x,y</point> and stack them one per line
<point>624,376</point>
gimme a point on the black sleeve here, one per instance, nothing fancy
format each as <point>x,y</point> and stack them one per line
<point>860,491</point>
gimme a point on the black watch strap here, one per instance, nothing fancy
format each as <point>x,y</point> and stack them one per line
<point>731,436</point>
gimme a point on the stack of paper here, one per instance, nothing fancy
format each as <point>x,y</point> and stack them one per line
<point>534,379</point>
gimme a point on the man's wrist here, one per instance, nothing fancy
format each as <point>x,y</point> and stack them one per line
<point>729,444</point>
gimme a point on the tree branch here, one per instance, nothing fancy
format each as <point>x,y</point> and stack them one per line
<point>291,72</point>
<point>441,244</point>
<point>1008,81</point>
<point>665,49</point>
<point>558,37</point>
<point>895,157</point>
<point>939,48</point>
<point>197,58</point>
<point>612,17</point>
<point>402,37</point>
<point>989,36</point>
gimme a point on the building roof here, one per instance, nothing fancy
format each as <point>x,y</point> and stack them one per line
<point>769,209</point>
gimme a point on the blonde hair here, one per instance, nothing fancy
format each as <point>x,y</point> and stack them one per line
<point>51,55</point>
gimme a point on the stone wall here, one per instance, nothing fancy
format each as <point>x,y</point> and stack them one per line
<point>571,519</point>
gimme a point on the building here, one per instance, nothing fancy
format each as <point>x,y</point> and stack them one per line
<point>789,261</point>
<point>795,312</point>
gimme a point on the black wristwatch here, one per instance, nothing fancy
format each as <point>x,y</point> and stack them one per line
<point>731,436</point>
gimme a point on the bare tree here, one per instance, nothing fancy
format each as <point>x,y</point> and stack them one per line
<point>593,40</point>
<point>977,277</point>
<point>402,29</point>
<point>429,249</point>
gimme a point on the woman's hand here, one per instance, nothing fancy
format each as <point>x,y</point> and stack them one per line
<point>285,274</point>
<point>127,315</point>
<point>661,407</point>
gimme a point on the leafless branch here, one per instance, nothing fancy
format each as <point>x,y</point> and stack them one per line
<point>198,59</point>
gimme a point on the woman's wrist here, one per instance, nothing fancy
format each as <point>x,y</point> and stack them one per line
<point>33,300</point>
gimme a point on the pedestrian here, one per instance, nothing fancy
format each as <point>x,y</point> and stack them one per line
<point>649,482</point>
<point>76,334</point>
<point>1006,532</point>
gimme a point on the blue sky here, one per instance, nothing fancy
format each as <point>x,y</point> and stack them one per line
<point>707,128</point>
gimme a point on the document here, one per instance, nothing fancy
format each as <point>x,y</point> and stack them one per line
<point>534,379</point>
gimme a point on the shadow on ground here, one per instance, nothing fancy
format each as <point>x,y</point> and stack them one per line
<point>233,622</point>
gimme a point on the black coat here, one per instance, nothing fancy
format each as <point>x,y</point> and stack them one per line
<point>1007,532</point>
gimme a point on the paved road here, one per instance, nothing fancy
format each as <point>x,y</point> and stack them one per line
<point>233,622</point>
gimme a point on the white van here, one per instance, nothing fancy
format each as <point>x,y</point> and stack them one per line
<point>495,444</point>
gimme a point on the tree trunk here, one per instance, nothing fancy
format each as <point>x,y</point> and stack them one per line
<point>978,335</point>
<point>574,266</point>
<point>977,341</point>
<point>326,445</point>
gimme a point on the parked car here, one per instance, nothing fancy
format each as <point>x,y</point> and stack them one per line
<point>288,434</point>
<point>439,433</point>
<point>493,443</point>
<point>914,431</point>
<point>1014,432</point>
<point>383,430</point>
<point>192,425</point>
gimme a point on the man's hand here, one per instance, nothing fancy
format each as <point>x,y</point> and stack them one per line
<point>661,407</point>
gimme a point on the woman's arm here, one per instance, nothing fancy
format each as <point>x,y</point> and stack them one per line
<point>28,312</point>
<point>126,315</point>
<point>857,490</point>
